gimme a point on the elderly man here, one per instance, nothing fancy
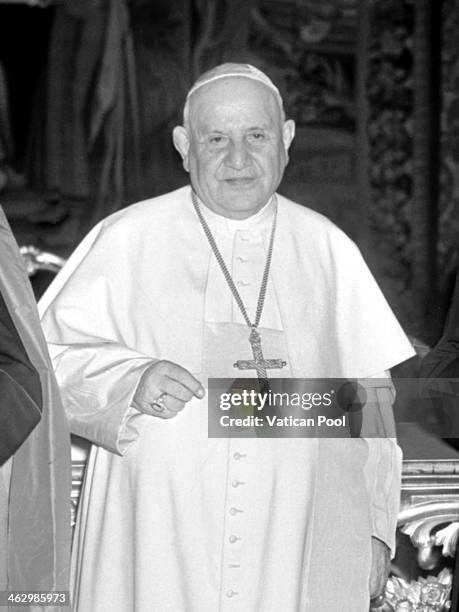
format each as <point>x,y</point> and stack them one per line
<point>170,292</point>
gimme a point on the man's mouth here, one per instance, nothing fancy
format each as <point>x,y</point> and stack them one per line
<point>240,181</point>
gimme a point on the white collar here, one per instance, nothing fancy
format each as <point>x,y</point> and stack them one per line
<point>255,222</point>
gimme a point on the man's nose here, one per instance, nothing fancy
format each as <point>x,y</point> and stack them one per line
<point>238,156</point>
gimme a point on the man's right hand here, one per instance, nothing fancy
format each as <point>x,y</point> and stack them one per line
<point>164,389</point>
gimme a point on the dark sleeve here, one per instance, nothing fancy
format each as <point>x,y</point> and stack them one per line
<point>443,359</point>
<point>20,388</point>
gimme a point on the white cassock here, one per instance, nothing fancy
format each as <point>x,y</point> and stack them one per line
<point>169,519</point>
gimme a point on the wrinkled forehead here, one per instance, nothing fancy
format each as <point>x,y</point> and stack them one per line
<point>233,99</point>
<point>225,78</point>
<point>233,70</point>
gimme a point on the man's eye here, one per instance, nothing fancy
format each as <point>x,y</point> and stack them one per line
<point>257,136</point>
<point>217,139</point>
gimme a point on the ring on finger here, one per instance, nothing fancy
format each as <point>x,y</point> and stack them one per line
<point>158,404</point>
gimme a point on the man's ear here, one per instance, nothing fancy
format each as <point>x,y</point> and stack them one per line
<point>181,142</point>
<point>288,134</point>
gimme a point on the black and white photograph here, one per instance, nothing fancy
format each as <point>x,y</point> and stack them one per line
<point>229,305</point>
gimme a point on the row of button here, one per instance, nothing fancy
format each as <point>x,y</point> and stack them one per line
<point>243,260</point>
<point>234,511</point>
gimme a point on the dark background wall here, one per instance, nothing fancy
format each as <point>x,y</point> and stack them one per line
<point>87,109</point>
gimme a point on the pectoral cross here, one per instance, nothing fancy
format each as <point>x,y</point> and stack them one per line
<point>258,362</point>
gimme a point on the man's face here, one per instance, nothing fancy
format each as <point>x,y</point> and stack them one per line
<point>235,147</point>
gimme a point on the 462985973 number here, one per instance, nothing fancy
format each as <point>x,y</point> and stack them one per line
<point>44,598</point>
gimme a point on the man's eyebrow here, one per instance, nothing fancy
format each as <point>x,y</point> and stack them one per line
<point>205,130</point>
<point>263,126</point>
<point>210,130</point>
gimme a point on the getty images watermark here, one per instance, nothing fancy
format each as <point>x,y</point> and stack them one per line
<point>331,408</point>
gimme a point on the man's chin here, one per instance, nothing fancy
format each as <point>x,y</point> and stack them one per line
<point>241,207</point>
<point>243,190</point>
